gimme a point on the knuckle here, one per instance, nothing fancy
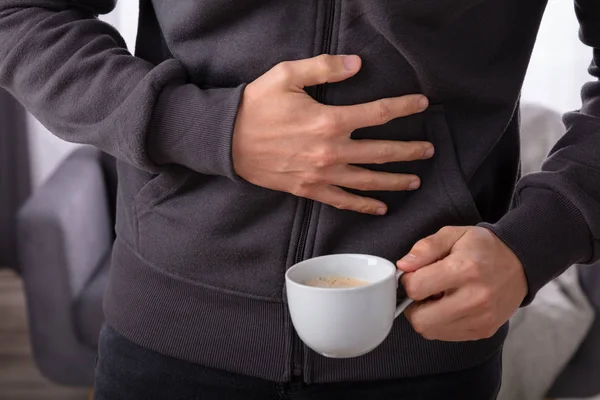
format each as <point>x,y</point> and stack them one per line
<point>422,329</point>
<point>366,209</point>
<point>350,206</point>
<point>365,183</point>
<point>283,71</point>
<point>483,300</point>
<point>311,178</point>
<point>402,183</point>
<point>418,326</point>
<point>411,287</point>
<point>323,62</point>
<point>413,152</point>
<point>471,269</point>
<point>301,189</point>
<point>454,268</point>
<point>328,124</point>
<point>447,230</point>
<point>383,111</point>
<point>340,205</point>
<point>424,246</point>
<point>324,157</point>
<point>384,154</point>
<point>409,105</point>
<point>487,297</point>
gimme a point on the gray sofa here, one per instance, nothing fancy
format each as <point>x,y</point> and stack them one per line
<point>581,376</point>
<point>65,234</point>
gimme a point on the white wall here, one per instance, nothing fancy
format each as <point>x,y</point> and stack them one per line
<point>557,71</point>
<point>559,64</point>
<point>46,150</point>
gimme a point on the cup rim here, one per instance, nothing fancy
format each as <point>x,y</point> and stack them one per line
<point>340,290</point>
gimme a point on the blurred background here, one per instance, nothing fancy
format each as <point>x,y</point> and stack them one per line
<point>51,282</point>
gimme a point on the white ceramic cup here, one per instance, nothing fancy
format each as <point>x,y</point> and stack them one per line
<point>344,322</point>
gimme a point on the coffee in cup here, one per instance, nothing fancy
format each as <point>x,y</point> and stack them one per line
<point>336,282</point>
<point>343,321</point>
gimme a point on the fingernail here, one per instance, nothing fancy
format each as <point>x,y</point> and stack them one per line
<point>414,185</point>
<point>351,62</point>
<point>381,211</point>
<point>429,152</point>
<point>423,103</point>
<point>407,259</point>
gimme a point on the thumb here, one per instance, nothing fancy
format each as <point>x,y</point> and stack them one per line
<point>431,249</point>
<point>321,69</point>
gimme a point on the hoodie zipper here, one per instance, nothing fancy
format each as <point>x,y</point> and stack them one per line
<point>308,204</point>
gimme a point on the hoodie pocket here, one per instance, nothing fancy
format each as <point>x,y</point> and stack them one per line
<point>214,232</point>
<point>447,168</point>
<point>159,187</point>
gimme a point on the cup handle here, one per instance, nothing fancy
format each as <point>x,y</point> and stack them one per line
<point>407,302</point>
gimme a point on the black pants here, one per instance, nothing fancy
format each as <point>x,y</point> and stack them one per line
<point>127,371</point>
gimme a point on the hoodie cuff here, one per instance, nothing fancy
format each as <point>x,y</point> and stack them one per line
<point>547,233</point>
<point>194,128</point>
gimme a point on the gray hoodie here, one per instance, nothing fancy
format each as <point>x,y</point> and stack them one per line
<point>199,261</point>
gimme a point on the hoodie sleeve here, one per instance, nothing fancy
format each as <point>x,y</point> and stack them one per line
<point>555,218</point>
<point>73,72</point>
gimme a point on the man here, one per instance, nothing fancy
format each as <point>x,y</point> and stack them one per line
<point>241,153</point>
